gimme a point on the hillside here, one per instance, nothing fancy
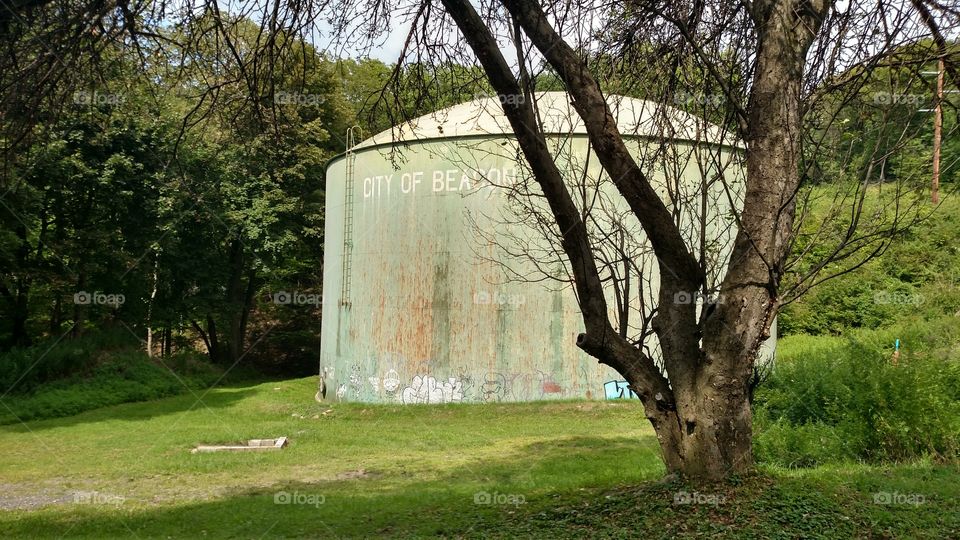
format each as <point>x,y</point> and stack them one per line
<point>916,279</point>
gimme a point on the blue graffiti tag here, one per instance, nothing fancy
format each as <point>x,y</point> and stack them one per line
<point>618,390</point>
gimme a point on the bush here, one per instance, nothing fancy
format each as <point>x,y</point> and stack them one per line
<point>111,376</point>
<point>25,368</point>
<point>804,445</point>
<point>842,398</point>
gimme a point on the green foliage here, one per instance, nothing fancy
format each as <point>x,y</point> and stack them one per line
<point>102,369</point>
<point>917,277</point>
<point>22,369</point>
<point>191,228</point>
<point>831,399</point>
<point>805,445</point>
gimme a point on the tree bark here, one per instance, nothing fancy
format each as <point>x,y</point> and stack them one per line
<point>253,283</point>
<point>153,296</point>
<point>20,313</point>
<point>166,340</point>
<point>239,301</point>
<point>210,338</point>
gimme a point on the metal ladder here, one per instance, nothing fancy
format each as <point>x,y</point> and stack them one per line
<point>353,134</point>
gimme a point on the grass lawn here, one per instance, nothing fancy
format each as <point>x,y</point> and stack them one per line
<point>561,469</point>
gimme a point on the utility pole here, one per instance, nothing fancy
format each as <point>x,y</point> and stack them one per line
<point>937,128</point>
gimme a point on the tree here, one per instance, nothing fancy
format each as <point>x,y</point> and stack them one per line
<point>771,62</point>
<point>251,175</point>
<point>116,193</point>
<point>81,202</point>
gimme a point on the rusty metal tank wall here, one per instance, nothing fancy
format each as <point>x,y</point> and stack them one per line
<point>416,305</point>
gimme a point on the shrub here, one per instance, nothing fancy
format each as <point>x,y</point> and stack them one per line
<point>113,375</point>
<point>25,368</point>
<point>920,264</point>
<point>842,398</point>
<point>804,445</point>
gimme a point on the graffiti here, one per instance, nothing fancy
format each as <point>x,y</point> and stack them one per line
<point>356,381</point>
<point>391,381</point>
<point>466,384</point>
<point>394,377</point>
<point>550,387</point>
<point>618,390</point>
<point>521,384</point>
<point>492,387</point>
<point>453,390</point>
<point>509,380</point>
<point>422,391</point>
<point>428,390</point>
<point>518,386</point>
<point>548,384</point>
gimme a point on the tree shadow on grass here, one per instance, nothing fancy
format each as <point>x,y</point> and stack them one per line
<point>571,487</point>
<point>473,499</point>
<point>135,411</point>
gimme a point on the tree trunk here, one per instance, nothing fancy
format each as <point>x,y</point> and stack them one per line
<point>153,296</point>
<point>213,343</point>
<point>21,312</point>
<point>239,301</point>
<point>56,315</point>
<point>166,340</point>
<point>209,337</point>
<point>241,335</point>
<point>709,436</point>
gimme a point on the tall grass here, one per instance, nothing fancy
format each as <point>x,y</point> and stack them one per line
<point>22,369</point>
<point>832,398</point>
<point>63,378</point>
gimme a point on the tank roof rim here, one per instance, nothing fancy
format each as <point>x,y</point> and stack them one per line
<point>628,136</point>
